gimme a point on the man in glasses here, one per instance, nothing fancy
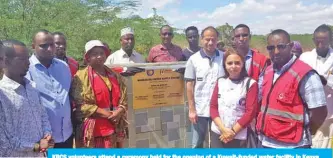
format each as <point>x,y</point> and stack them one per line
<point>256,62</point>
<point>192,37</point>
<point>166,51</point>
<point>291,91</point>
<point>53,79</point>
<point>321,59</point>
<point>60,52</point>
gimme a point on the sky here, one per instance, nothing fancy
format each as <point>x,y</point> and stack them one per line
<point>262,16</point>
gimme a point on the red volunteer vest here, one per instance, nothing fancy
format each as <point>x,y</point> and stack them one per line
<point>258,64</point>
<point>281,116</point>
<point>104,100</point>
<point>73,65</point>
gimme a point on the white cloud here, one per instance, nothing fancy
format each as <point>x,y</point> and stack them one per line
<point>159,4</point>
<point>261,15</point>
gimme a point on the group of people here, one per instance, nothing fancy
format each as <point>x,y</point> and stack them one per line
<point>246,100</point>
<point>47,102</point>
<point>238,94</point>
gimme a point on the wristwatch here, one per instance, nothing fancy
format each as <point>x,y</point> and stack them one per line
<point>36,147</point>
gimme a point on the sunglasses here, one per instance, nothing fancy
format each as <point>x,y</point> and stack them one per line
<point>242,35</point>
<point>167,33</point>
<point>279,46</point>
<point>46,45</point>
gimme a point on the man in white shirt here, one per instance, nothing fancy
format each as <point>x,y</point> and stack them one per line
<point>321,59</point>
<point>202,71</point>
<point>126,54</point>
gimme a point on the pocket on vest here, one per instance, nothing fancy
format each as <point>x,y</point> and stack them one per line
<point>283,129</point>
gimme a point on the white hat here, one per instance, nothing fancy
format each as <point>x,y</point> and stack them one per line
<point>93,43</point>
<point>126,30</point>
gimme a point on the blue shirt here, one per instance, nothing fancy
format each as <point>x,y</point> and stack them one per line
<point>53,84</point>
<point>248,60</point>
<point>23,120</point>
<point>312,93</point>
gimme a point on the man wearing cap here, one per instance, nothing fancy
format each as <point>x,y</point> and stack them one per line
<point>53,79</point>
<point>166,51</point>
<point>126,54</point>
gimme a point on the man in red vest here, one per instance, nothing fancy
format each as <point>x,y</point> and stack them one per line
<point>255,61</point>
<point>60,53</point>
<point>291,90</point>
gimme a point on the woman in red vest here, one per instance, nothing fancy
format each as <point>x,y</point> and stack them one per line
<point>100,96</point>
<point>234,103</point>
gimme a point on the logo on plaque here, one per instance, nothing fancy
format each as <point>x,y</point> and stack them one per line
<point>150,72</point>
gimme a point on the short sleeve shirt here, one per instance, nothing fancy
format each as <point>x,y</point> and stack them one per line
<point>204,70</point>
<point>160,53</point>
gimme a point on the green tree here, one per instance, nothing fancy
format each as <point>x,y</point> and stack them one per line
<point>225,33</point>
<point>79,20</point>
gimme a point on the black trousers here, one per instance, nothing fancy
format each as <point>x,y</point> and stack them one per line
<point>67,144</point>
<point>216,143</point>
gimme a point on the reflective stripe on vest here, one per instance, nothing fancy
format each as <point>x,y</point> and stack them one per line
<point>294,73</point>
<point>256,64</point>
<point>285,114</point>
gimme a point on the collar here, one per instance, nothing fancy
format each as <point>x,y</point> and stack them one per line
<point>65,59</point>
<point>11,84</point>
<point>330,52</point>
<point>124,54</point>
<point>188,48</point>
<point>287,65</point>
<point>35,61</point>
<point>249,54</point>
<point>204,55</point>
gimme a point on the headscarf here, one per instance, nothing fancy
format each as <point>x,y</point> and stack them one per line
<point>297,47</point>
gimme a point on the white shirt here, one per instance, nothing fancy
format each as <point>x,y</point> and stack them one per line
<point>324,66</point>
<point>231,104</point>
<point>121,57</point>
<point>205,71</point>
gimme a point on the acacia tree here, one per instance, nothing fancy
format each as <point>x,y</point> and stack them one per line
<point>79,20</point>
<point>225,33</point>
